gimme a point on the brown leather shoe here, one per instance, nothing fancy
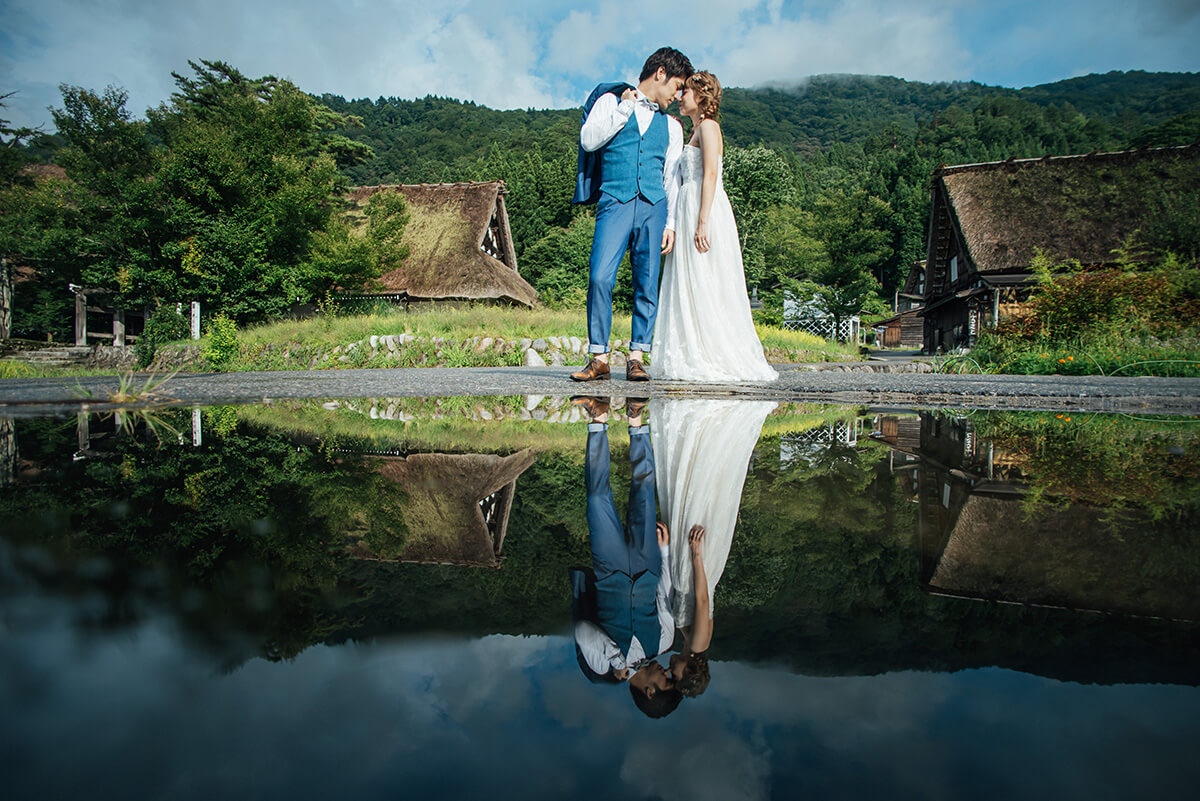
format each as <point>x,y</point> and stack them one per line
<point>635,406</point>
<point>592,405</point>
<point>636,371</point>
<point>596,370</point>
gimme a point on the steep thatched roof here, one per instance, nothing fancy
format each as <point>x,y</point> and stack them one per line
<point>456,508</point>
<point>1080,557</point>
<point>1072,207</point>
<point>448,229</point>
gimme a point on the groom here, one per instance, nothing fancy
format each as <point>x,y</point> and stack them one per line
<point>629,152</point>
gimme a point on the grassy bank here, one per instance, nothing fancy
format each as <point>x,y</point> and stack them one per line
<point>448,337</point>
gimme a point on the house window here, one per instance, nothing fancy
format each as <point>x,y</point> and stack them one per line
<point>953,269</point>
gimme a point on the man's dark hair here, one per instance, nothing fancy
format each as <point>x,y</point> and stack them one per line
<point>675,63</point>
<point>662,704</point>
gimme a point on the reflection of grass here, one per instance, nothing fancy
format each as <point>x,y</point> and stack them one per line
<point>454,431</point>
<point>1108,460</point>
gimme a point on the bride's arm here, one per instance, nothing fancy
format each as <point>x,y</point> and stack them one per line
<point>710,153</point>
<point>702,625</point>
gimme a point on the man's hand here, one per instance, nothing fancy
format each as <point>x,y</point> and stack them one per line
<point>664,536</point>
<point>668,243</point>
<point>696,539</point>
<point>629,94</point>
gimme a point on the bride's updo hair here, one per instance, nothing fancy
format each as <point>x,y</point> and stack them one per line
<point>707,89</point>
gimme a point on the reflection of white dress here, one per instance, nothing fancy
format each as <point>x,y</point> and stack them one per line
<point>701,451</point>
<point>704,331</point>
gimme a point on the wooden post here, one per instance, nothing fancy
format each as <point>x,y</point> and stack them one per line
<point>197,434</point>
<point>80,318</point>
<point>83,431</point>
<point>5,300</point>
<point>195,319</point>
<point>8,452</point>
<point>118,328</point>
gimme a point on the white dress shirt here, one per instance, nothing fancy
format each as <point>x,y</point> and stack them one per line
<point>601,652</point>
<point>610,114</point>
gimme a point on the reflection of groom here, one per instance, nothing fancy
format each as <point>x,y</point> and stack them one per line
<point>629,152</point>
<point>622,611</point>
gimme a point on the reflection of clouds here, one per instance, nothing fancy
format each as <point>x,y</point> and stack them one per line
<point>712,764</point>
<point>142,716</point>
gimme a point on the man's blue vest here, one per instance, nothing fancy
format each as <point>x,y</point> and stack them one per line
<point>592,177</point>
<point>625,608</point>
<point>631,164</point>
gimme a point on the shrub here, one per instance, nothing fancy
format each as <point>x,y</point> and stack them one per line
<point>164,325</point>
<point>222,345</point>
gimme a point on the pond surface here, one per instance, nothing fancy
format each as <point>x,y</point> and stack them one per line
<point>373,599</point>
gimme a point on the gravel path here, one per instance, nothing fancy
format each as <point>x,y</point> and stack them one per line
<point>796,383</point>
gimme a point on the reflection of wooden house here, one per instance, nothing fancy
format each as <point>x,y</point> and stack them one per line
<point>989,220</point>
<point>456,507</point>
<point>981,535</point>
<point>459,244</point>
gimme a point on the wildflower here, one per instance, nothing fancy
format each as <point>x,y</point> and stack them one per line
<point>1059,416</point>
<point>1068,419</point>
<point>1070,358</point>
<point>1062,361</point>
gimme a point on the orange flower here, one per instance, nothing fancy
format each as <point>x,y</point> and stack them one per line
<point>1062,361</point>
<point>1070,358</point>
<point>1059,416</point>
<point>1068,419</point>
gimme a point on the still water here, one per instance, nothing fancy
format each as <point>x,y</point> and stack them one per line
<point>385,598</point>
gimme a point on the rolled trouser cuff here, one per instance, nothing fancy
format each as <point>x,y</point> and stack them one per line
<point>635,430</point>
<point>597,427</point>
<point>644,347</point>
<point>594,349</point>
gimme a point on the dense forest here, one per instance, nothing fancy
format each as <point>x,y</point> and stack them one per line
<point>230,192</point>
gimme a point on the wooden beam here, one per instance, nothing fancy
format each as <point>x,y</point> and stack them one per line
<point>119,328</point>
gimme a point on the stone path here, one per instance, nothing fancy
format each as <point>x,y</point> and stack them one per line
<point>1177,396</point>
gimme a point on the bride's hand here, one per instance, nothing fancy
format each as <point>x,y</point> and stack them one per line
<point>696,539</point>
<point>701,237</point>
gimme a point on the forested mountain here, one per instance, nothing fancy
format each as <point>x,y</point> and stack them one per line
<point>428,139</point>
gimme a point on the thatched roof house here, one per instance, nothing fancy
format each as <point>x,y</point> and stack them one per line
<point>456,507</point>
<point>989,220</point>
<point>459,244</point>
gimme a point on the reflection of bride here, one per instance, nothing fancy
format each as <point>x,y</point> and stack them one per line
<point>701,451</point>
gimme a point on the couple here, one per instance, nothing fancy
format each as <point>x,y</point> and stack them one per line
<point>649,578</point>
<point>649,186</point>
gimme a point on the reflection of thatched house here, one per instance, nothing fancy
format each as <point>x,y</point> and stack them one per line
<point>459,244</point>
<point>456,507</point>
<point>989,220</point>
<point>1080,557</point>
<point>981,534</point>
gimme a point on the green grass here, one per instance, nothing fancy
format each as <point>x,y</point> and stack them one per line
<point>1093,353</point>
<point>10,368</point>
<point>291,344</point>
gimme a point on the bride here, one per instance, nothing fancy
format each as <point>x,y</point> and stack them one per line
<point>704,330</point>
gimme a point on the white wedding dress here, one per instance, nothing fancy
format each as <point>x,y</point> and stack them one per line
<point>704,331</point>
<point>702,449</point>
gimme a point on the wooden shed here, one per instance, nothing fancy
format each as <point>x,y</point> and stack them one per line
<point>904,330</point>
<point>459,244</point>
<point>988,221</point>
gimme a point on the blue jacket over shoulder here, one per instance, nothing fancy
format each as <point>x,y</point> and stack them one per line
<point>587,169</point>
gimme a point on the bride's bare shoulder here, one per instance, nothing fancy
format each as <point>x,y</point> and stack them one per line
<point>708,135</point>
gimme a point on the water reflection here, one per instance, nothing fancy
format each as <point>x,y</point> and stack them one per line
<point>919,593</point>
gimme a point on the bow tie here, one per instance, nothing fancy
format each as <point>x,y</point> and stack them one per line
<point>648,103</point>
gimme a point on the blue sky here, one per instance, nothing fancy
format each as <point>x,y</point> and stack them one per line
<point>548,53</point>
